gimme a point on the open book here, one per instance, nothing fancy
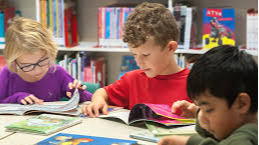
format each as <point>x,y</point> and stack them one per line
<point>66,108</point>
<point>43,124</point>
<point>159,113</point>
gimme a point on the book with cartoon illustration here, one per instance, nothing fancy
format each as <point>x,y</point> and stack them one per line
<point>64,138</point>
<point>65,108</point>
<point>159,113</point>
<point>43,124</point>
<point>218,27</point>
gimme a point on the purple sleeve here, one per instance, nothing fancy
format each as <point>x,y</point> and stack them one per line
<point>4,83</point>
<point>67,78</point>
<point>85,96</point>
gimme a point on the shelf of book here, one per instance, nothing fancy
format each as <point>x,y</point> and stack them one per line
<point>92,47</point>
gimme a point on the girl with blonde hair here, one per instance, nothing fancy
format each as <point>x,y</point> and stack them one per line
<point>31,75</point>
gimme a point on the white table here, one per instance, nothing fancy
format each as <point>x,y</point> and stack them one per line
<point>89,126</point>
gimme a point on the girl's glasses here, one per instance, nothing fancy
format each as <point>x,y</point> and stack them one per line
<point>31,67</point>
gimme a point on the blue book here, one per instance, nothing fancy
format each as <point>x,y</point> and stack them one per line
<point>2,27</point>
<point>108,23</point>
<point>63,138</point>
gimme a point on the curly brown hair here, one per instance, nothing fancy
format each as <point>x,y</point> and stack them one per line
<point>150,20</point>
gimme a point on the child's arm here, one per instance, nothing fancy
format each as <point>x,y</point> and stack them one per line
<point>186,108</point>
<point>7,95</point>
<point>174,140</point>
<point>99,102</point>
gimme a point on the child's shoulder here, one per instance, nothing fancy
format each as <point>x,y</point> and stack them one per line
<point>5,71</point>
<point>245,133</point>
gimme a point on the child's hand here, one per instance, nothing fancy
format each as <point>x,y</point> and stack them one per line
<point>93,109</point>
<point>174,140</point>
<point>31,99</point>
<point>75,85</point>
<point>188,109</point>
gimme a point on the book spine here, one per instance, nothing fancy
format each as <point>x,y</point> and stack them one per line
<point>2,28</point>
<point>57,17</point>
<point>51,16</point>
<point>54,18</point>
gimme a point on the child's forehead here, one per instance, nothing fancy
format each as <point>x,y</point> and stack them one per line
<point>149,45</point>
<point>26,56</point>
<point>206,99</point>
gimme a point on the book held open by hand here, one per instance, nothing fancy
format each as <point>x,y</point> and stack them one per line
<point>159,113</point>
<point>66,107</point>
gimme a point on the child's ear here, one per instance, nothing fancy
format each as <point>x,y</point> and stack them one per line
<point>243,103</point>
<point>172,45</point>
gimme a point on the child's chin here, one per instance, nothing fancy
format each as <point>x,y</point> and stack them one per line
<point>149,75</point>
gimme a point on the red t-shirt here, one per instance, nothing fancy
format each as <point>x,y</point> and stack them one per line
<point>135,87</point>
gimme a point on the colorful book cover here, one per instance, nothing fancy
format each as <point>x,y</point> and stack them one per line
<point>2,62</point>
<point>43,124</point>
<point>2,28</point>
<point>75,139</point>
<point>218,27</point>
<point>128,64</point>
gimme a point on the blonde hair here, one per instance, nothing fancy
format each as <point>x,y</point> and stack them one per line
<point>26,35</point>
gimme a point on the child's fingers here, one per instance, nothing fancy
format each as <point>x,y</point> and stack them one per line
<point>70,85</point>
<point>79,84</point>
<point>96,110</point>
<point>35,99</point>
<point>23,102</point>
<point>83,87</point>
<point>165,141</point>
<point>89,110</point>
<point>75,83</point>
<point>105,109</point>
<point>69,94</point>
<point>84,110</point>
<point>27,99</point>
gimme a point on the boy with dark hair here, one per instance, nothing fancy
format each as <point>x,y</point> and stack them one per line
<point>224,84</point>
<point>151,33</point>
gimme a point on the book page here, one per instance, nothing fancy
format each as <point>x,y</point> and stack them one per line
<point>46,107</point>
<point>122,114</point>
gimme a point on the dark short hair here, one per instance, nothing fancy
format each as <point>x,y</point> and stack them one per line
<point>150,20</point>
<point>224,72</point>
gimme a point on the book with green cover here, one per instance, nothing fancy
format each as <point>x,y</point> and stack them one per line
<point>159,130</point>
<point>43,124</point>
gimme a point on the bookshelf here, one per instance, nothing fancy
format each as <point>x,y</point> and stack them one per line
<point>87,13</point>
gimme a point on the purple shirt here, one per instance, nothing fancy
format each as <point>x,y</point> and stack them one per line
<point>52,87</point>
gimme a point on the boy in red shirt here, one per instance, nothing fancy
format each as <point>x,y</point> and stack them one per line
<point>151,33</point>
